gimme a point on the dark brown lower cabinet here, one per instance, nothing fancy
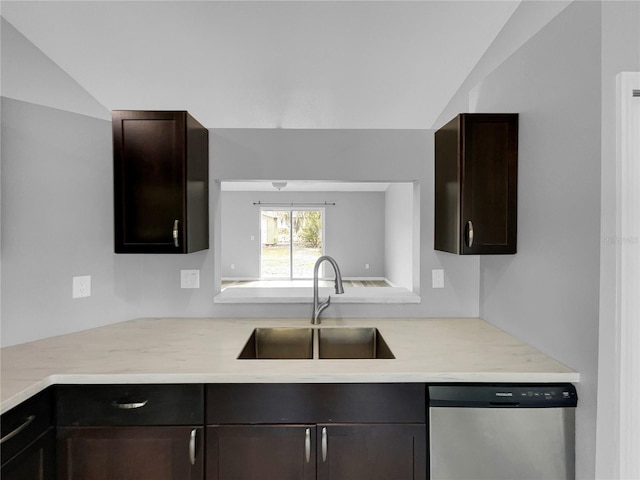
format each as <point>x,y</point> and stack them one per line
<point>261,452</point>
<point>36,462</point>
<point>316,431</point>
<point>325,452</point>
<point>372,452</point>
<point>253,432</point>
<point>130,432</point>
<point>130,453</point>
<point>28,445</point>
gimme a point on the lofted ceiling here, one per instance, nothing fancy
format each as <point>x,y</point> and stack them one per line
<point>269,64</point>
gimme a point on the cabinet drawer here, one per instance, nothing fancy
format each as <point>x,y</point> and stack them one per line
<point>24,423</point>
<point>315,403</point>
<point>130,405</point>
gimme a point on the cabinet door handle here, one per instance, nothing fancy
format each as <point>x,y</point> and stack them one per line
<point>192,446</point>
<point>469,233</point>
<point>128,406</point>
<point>176,234</point>
<point>15,432</point>
<point>324,444</point>
<point>307,444</point>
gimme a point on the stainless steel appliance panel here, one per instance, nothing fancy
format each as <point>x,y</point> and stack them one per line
<point>502,443</point>
<point>502,432</point>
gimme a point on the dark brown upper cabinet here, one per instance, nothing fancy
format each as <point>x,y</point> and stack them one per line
<point>476,184</point>
<point>161,177</point>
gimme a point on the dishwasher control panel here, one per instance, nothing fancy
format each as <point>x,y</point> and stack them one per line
<point>503,395</point>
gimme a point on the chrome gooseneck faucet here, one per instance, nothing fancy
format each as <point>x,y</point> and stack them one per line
<point>318,307</point>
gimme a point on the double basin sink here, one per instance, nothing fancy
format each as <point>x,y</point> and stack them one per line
<point>320,343</point>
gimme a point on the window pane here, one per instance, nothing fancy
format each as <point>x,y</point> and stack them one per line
<point>307,242</point>
<point>275,232</point>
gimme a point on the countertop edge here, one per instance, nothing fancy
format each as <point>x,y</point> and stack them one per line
<point>431,378</point>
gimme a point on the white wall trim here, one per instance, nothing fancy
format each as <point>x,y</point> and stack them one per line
<point>628,274</point>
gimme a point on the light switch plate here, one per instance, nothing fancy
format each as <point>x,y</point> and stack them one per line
<point>437,278</point>
<point>189,278</point>
<point>81,286</point>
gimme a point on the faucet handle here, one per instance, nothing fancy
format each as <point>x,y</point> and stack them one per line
<point>318,310</point>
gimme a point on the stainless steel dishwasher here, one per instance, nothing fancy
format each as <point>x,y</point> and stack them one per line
<point>502,432</point>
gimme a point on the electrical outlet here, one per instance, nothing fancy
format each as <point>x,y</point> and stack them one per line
<point>253,238</point>
<point>366,266</point>
<point>189,278</point>
<point>81,286</point>
<point>437,278</point>
<point>233,266</point>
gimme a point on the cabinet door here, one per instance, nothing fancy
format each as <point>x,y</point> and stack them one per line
<point>261,452</point>
<point>372,452</point>
<point>24,423</point>
<point>130,453</point>
<point>149,169</point>
<point>476,170</point>
<point>489,183</point>
<point>35,462</point>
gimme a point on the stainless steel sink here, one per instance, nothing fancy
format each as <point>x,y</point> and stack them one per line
<point>352,343</point>
<point>279,343</point>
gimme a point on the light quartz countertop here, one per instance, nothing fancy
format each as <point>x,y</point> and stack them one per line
<point>205,350</point>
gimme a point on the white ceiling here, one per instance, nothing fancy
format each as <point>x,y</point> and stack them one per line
<point>269,64</point>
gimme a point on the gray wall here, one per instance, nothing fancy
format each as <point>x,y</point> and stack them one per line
<point>239,223</point>
<point>547,294</point>
<point>399,234</point>
<point>353,230</point>
<point>57,202</point>
<point>57,223</point>
<point>355,233</point>
<point>29,75</point>
<point>528,19</point>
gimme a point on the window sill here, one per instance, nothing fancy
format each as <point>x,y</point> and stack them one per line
<point>305,295</point>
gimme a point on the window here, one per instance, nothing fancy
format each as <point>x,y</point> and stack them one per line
<point>290,243</point>
<point>372,229</point>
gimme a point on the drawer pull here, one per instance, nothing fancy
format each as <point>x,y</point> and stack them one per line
<point>128,406</point>
<point>15,432</point>
<point>307,444</point>
<point>192,446</point>
<point>324,444</point>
